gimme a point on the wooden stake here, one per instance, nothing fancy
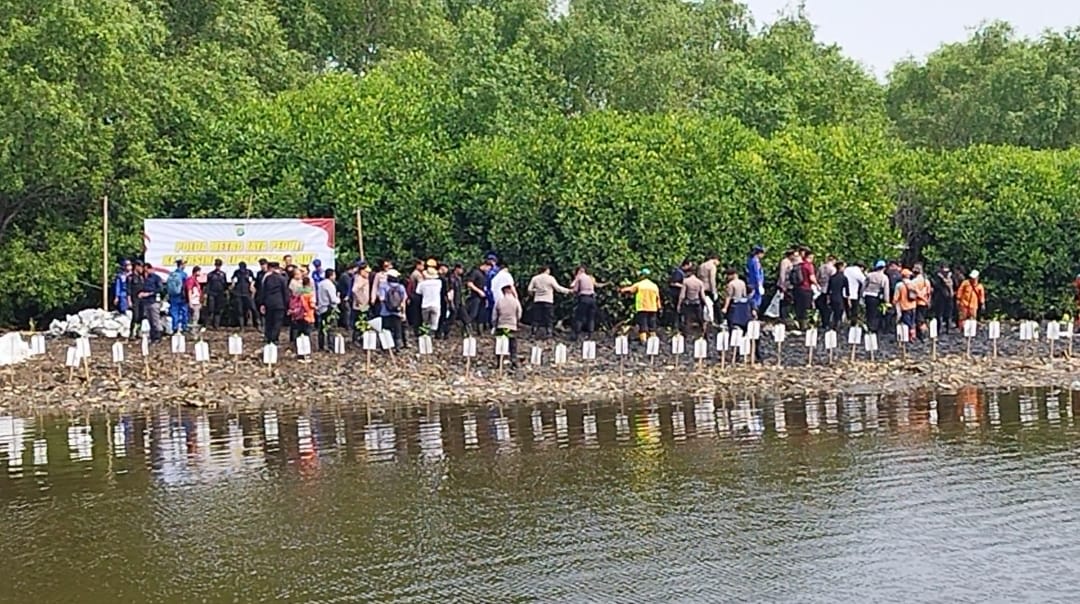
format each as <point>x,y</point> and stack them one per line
<point>779,354</point>
<point>360,233</point>
<point>852,353</point>
<point>933,349</point>
<point>105,252</point>
<point>809,357</point>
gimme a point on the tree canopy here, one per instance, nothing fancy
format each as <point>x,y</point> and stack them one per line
<point>616,132</point>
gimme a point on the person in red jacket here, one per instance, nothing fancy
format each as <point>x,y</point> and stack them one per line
<point>193,295</point>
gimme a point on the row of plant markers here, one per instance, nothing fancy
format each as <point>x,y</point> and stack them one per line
<point>735,343</point>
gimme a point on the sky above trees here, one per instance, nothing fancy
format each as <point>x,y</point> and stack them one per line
<point>879,33</point>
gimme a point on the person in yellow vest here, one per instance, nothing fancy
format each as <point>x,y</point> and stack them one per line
<point>646,304</point>
<point>970,298</point>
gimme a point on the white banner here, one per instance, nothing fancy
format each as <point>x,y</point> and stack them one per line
<point>200,241</point>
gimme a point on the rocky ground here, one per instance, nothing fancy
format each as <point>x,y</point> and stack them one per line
<point>404,377</point>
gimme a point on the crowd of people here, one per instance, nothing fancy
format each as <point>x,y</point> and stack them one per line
<point>435,296</point>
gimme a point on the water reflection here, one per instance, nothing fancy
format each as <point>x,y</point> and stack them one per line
<point>182,446</point>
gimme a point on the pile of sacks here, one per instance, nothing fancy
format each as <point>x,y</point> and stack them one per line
<point>92,321</point>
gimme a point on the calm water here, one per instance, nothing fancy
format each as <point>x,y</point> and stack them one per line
<point>966,498</point>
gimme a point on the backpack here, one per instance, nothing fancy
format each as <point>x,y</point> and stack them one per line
<point>175,284</point>
<point>912,293</point>
<point>795,276</point>
<point>394,299</point>
<point>296,310</point>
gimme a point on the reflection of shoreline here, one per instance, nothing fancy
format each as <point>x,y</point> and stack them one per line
<point>176,447</point>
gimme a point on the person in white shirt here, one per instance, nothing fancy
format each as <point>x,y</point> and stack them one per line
<point>430,292</point>
<point>856,283</point>
<point>502,279</point>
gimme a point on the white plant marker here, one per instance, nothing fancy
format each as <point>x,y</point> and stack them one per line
<point>118,358</point>
<point>701,350</point>
<point>971,329</point>
<point>746,346</point>
<point>903,336</point>
<point>994,334</point>
<point>622,346</point>
<point>270,357</point>
<point>588,353</point>
<point>830,343</point>
<point>236,345</point>
<point>425,345</point>
<point>934,338</point>
<point>779,334</point>
<point>179,343</point>
<point>144,347</point>
<point>202,352</point>
<point>386,340</point>
<point>502,350</point>
<point>870,344</point>
<point>1067,334</point>
<point>37,344</point>
<point>854,338</point>
<point>652,348</point>
<point>723,344</point>
<point>537,356</point>
<point>72,360</point>
<point>371,340</point>
<point>753,331</point>
<point>811,344</point>
<point>303,346</point>
<point>83,345</point>
<point>1053,333</point>
<point>468,350</point>
<point>561,354</point>
<point>678,344</point>
<point>339,344</point>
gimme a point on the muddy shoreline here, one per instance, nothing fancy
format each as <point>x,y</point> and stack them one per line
<point>45,384</point>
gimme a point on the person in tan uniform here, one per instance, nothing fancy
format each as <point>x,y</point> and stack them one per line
<point>691,303</point>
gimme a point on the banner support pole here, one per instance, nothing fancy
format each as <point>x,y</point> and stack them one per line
<point>105,252</point>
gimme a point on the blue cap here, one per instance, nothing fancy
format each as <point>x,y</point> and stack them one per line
<point>879,264</point>
<point>317,262</point>
<point>757,249</point>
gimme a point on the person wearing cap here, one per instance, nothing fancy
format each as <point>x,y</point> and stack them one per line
<point>121,289</point>
<point>905,298</point>
<point>273,299</point>
<point>430,291</point>
<point>392,317</point>
<point>755,277</point>
<point>647,304</point>
<point>134,286</point>
<point>506,317</point>
<point>476,298</point>
<point>317,273</point>
<point>542,288</point>
<point>244,292</point>
<point>944,297</point>
<point>875,293</point>
<point>178,307</point>
<point>217,283</point>
<point>970,298</point>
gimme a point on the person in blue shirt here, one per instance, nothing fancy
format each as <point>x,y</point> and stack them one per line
<point>493,263</point>
<point>148,299</point>
<point>755,277</point>
<point>317,273</point>
<point>178,304</point>
<point>121,295</point>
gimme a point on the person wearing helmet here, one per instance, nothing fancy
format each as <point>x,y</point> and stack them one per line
<point>970,298</point>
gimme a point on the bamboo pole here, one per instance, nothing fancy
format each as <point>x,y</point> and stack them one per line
<point>105,252</point>
<point>360,234</point>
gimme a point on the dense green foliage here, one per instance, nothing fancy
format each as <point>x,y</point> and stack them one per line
<point>620,134</point>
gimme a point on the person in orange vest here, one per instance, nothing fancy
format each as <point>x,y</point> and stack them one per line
<point>923,292</point>
<point>970,298</point>
<point>905,298</point>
